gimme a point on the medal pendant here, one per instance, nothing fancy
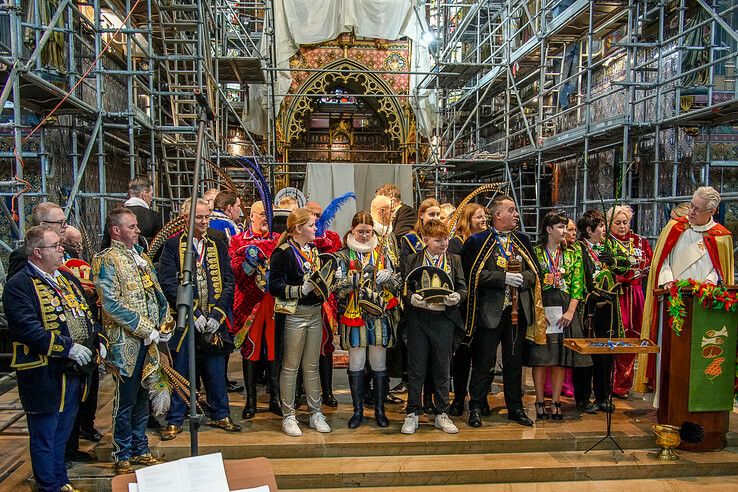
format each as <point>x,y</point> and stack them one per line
<point>502,262</point>
<point>55,301</point>
<point>548,279</point>
<point>562,271</point>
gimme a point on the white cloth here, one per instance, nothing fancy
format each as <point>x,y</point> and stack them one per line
<point>49,278</point>
<point>689,258</point>
<point>135,201</point>
<point>140,262</point>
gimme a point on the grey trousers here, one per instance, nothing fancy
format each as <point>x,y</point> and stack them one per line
<point>303,332</point>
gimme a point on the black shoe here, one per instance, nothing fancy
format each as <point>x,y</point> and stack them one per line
<point>606,407</point>
<point>330,401</point>
<point>233,387</point>
<point>79,456</point>
<point>400,387</point>
<point>586,406</point>
<point>557,414</point>
<point>273,380</point>
<point>520,417</point>
<point>275,408</point>
<point>456,409</point>
<point>325,370</point>
<point>541,413</point>
<point>475,418</point>
<point>381,386</point>
<point>153,423</point>
<point>90,435</point>
<point>356,384</point>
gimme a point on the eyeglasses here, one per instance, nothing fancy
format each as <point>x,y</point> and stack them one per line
<point>56,245</point>
<point>364,233</point>
<point>698,210</point>
<point>61,223</point>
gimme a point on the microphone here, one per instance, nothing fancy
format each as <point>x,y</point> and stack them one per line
<point>202,100</point>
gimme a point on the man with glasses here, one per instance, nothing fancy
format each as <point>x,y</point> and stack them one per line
<point>693,246</point>
<point>45,213</point>
<point>55,349</point>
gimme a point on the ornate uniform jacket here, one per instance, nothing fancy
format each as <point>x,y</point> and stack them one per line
<point>213,286</point>
<point>133,304</point>
<point>247,293</point>
<point>44,321</point>
<point>221,222</point>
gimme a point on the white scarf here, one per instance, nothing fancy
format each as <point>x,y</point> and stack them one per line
<point>135,201</point>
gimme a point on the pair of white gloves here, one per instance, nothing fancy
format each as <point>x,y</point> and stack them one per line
<point>451,299</point>
<point>82,355</point>
<point>513,279</point>
<point>206,325</point>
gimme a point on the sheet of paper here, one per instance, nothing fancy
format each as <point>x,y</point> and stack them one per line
<point>262,488</point>
<point>132,487</point>
<point>553,315</point>
<point>197,474</point>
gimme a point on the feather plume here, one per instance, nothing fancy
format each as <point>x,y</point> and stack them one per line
<point>330,211</point>
<point>262,186</point>
<point>485,188</point>
<point>160,391</point>
<point>174,226</point>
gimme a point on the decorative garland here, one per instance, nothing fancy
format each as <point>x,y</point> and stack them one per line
<point>707,294</point>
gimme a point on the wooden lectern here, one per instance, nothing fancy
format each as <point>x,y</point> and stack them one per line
<point>675,367</point>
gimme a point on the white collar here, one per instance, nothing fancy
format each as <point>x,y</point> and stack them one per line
<point>135,201</point>
<point>46,275</point>
<point>703,227</point>
<point>359,247</point>
<point>382,229</point>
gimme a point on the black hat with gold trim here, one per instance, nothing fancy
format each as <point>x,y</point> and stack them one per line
<point>431,283</point>
<point>323,276</point>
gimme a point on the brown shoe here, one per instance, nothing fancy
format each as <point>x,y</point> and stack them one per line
<point>147,459</point>
<point>123,467</point>
<point>226,424</point>
<point>69,488</point>
<point>170,432</point>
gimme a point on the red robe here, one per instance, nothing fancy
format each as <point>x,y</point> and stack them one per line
<point>251,304</point>
<point>329,243</point>
<point>631,302</point>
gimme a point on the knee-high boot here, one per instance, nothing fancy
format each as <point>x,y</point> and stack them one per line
<point>381,386</point>
<point>273,374</point>
<point>249,381</point>
<point>356,384</point>
<point>325,366</point>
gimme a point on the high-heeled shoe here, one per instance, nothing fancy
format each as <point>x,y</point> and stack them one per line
<point>541,413</point>
<point>557,415</point>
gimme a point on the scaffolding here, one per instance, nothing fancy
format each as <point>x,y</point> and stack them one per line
<point>578,103</point>
<point>95,92</point>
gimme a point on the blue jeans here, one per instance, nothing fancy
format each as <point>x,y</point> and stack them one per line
<point>48,434</point>
<point>131,413</point>
<point>212,368</point>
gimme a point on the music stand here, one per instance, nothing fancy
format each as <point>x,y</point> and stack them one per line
<point>610,346</point>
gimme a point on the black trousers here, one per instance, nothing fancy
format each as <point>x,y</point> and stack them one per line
<point>484,352</point>
<point>599,375</point>
<point>429,349</point>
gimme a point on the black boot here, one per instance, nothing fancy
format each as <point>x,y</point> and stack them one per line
<point>275,405</point>
<point>249,379</point>
<point>369,388</point>
<point>356,383</point>
<point>325,366</point>
<point>381,387</point>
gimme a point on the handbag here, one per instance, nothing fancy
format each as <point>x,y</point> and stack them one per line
<point>285,306</point>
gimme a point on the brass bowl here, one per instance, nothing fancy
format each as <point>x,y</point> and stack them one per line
<point>667,437</point>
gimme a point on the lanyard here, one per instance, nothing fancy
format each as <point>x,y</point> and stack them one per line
<point>553,262</point>
<point>439,263</point>
<point>506,252</point>
<point>301,256</point>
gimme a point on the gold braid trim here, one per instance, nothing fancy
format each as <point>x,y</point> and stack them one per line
<point>174,226</point>
<point>485,188</point>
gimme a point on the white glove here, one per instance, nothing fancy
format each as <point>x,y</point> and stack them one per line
<point>200,323</point>
<point>80,354</point>
<point>307,288</point>
<point>513,279</point>
<point>418,301</point>
<point>339,274</point>
<point>452,299</point>
<point>432,306</point>
<point>152,338</point>
<point>383,276</point>
<point>165,337</point>
<point>103,351</point>
<point>212,326</point>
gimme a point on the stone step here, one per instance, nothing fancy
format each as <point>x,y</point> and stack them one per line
<point>689,484</point>
<point>391,472</point>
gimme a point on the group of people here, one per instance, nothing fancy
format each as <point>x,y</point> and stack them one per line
<point>424,295</point>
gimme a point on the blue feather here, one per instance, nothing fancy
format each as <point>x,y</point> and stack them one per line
<point>254,171</point>
<point>329,213</point>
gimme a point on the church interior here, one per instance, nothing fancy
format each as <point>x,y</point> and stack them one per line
<point>562,105</point>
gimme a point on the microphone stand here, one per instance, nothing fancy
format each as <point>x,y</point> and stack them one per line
<point>185,292</point>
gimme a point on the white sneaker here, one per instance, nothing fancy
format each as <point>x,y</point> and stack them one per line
<point>410,425</point>
<point>444,423</point>
<point>290,427</point>
<point>317,422</point>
